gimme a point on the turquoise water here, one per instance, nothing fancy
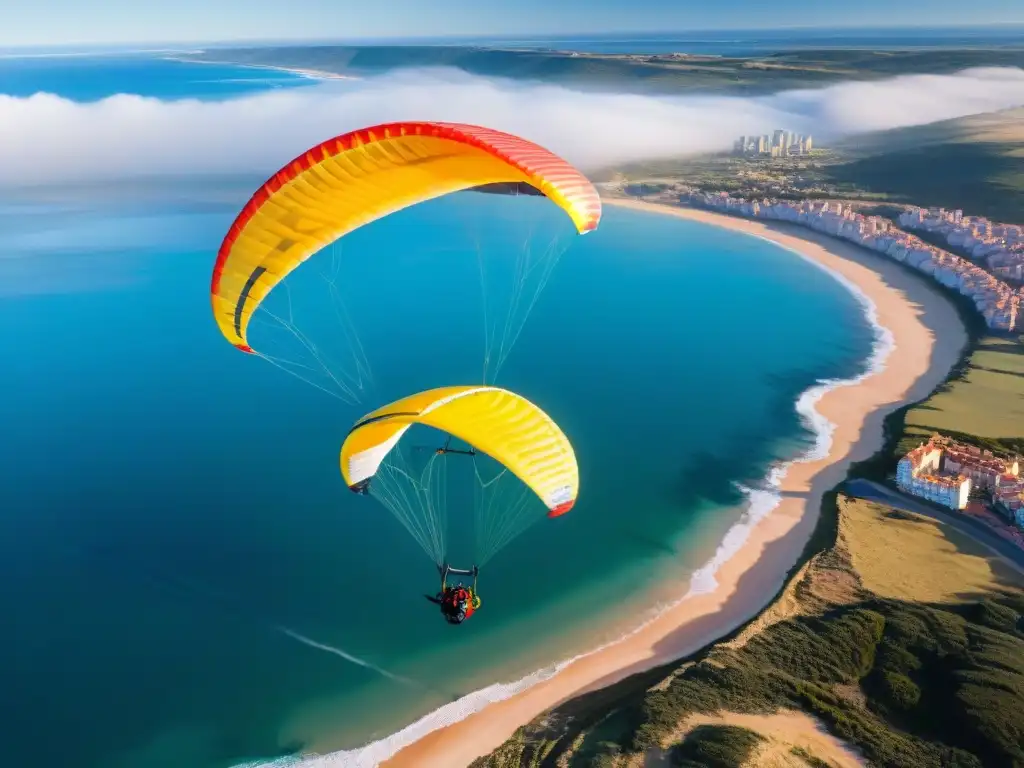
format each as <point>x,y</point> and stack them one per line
<point>89,78</point>
<point>182,563</point>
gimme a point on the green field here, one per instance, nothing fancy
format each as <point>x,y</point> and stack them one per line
<point>983,403</point>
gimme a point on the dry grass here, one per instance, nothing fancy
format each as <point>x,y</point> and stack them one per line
<point>1005,127</point>
<point>824,581</point>
<point>912,561</point>
<point>908,557</point>
<point>782,732</point>
<point>879,552</point>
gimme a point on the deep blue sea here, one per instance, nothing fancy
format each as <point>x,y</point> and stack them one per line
<point>186,579</point>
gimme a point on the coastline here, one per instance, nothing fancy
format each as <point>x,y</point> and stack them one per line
<point>309,74</point>
<point>757,554</point>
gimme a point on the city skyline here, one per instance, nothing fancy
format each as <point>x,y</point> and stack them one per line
<point>118,22</point>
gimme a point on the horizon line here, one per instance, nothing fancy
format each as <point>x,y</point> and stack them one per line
<point>1011,28</point>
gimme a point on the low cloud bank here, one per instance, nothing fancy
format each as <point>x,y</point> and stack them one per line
<point>45,139</point>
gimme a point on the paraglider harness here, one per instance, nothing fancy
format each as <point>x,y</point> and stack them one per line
<point>441,452</point>
<point>457,603</point>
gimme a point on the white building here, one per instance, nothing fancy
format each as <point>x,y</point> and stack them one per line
<point>1001,305</point>
<point>918,474</point>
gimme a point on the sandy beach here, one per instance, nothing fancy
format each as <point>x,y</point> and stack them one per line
<point>315,74</point>
<point>928,339</point>
<point>312,74</point>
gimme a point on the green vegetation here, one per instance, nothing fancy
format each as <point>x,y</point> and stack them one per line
<point>941,690</point>
<point>807,757</point>
<point>716,746</point>
<point>664,73</point>
<point>983,177</point>
<point>980,404</point>
<point>905,683</point>
<point>973,675</point>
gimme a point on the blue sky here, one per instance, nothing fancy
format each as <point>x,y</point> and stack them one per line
<point>61,22</point>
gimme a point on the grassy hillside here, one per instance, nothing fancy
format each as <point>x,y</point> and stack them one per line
<point>975,163</point>
<point>901,669</point>
<point>982,403</point>
<point>665,73</point>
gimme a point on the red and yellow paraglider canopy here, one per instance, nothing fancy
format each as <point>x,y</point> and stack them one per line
<point>356,178</point>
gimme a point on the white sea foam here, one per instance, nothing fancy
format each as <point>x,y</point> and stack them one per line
<point>761,501</point>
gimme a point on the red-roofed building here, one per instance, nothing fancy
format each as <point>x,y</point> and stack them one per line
<point>984,469</point>
<point>918,473</point>
<point>944,471</point>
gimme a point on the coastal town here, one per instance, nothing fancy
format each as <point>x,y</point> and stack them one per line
<point>996,300</point>
<point>957,476</point>
<point>960,477</point>
<point>999,246</point>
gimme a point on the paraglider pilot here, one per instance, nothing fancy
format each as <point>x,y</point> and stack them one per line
<point>457,603</point>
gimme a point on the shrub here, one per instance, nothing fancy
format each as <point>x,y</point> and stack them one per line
<point>900,690</point>
<point>716,746</point>
<point>991,614</point>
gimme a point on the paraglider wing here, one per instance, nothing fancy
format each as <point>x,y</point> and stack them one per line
<point>356,178</point>
<point>508,428</point>
<point>508,188</point>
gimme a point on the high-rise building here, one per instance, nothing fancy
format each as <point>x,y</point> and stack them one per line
<point>779,143</point>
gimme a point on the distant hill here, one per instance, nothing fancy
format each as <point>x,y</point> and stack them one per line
<point>974,163</point>
<point>1001,128</point>
<point>660,73</point>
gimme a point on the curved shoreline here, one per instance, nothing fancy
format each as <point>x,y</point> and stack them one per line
<point>308,74</point>
<point>756,555</point>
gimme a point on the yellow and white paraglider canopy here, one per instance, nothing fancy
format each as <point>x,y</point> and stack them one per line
<point>505,426</point>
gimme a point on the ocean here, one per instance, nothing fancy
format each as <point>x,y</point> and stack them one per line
<point>89,78</point>
<point>187,579</point>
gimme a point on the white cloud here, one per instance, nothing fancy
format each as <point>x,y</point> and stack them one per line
<point>45,139</point>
